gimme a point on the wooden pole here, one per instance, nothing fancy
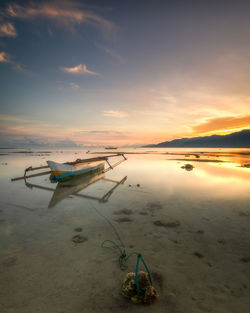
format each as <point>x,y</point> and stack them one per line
<point>113,166</point>
<point>102,158</point>
<point>108,194</point>
<point>29,176</point>
<point>37,168</point>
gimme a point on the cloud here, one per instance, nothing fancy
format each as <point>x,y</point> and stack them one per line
<point>67,13</point>
<point>79,69</point>
<point>6,58</point>
<point>98,132</point>
<point>74,85</point>
<point>223,123</point>
<point>116,114</point>
<point>8,30</point>
<point>101,136</point>
<point>112,53</point>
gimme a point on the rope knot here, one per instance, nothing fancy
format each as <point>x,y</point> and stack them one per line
<point>123,255</point>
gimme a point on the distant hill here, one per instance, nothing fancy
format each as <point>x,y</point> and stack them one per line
<point>235,140</point>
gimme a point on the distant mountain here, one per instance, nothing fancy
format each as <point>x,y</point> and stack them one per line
<point>235,140</point>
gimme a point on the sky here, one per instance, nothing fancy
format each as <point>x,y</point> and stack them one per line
<point>123,72</point>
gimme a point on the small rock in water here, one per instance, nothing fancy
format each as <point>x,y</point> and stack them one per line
<point>246,165</point>
<point>188,167</point>
<point>167,224</point>
<point>138,185</point>
<point>79,239</point>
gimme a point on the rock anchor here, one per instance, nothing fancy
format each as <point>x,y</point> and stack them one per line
<point>129,289</point>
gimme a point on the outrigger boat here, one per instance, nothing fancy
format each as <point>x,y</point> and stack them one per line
<point>68,170</point>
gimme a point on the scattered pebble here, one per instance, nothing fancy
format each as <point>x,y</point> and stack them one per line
<point>123,211</point>
<point>221,241</point>
<point>138,185</point>
<point>158,278</point>
<point>200,231</point>
<point>245,259</point>
<point>154,206</point>
<point>123,220</point>
<point>10,261</point>
<point>171,297</point>
<point>244,213</point>
<point>78,229</point>
<point>198,254</point>
<point>167,224</point>
<point>79,239</point>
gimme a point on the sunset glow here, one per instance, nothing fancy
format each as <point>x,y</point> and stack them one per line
<point>122,73</point>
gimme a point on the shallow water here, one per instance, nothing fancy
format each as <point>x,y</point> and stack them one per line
<point>200,265</point>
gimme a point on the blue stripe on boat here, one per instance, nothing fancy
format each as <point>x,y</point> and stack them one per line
<point>66,175</point>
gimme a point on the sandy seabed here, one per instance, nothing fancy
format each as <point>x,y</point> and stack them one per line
<point>194,236</point>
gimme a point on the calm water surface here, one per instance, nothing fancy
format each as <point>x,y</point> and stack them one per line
<point>200,265</point>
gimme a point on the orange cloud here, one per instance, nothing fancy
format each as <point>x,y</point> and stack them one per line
<point>8,29</point>
<point>79,69</point>
<point>4,57</point>
<point>223,123</point>
<point>68,13</point>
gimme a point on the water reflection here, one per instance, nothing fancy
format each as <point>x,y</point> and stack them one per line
<point>205,254</point>
<point>74,186</point>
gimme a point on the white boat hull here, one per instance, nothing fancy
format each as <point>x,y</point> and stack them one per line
<point>63,171</point>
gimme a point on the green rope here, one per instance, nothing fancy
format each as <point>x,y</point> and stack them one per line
<point>140,258</point>
<point>123,257</point>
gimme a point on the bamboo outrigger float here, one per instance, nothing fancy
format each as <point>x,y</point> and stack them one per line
<point>64,171</point>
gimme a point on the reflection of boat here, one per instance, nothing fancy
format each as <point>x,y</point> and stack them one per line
<point>77,184</point>
<point>73,186</point>
<point>63,171</point>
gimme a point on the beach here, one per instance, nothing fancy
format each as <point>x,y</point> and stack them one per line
<point>190,226</point>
